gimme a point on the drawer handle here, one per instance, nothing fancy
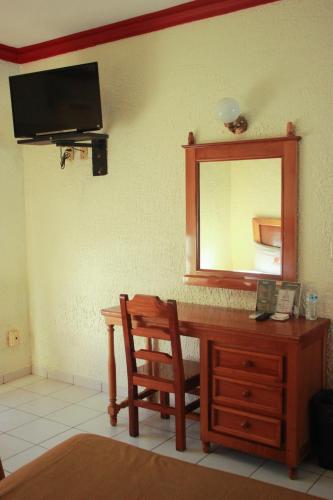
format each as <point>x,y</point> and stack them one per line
<point>248,363</point>
<point>246,424</point>
<point>247,393</point>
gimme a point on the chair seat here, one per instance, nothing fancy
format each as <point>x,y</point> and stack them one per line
<point>161,370</point>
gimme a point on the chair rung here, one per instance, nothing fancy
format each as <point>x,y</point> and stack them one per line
<point>159,357</point>
<point>193,416</point>
<point>157,383</point>
<point>149,405</point>
<point>195,391</point>
<point>192,406</point>
<point>153,333</point>
<point>143,394</point>
<point>146,393</point>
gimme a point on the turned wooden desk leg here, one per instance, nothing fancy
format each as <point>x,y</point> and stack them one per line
<point>292,472</point>
<point>206,446</point>
<point>113,408</point>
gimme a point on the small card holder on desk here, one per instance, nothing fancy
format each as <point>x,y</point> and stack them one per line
<point>279,300</point>
<point>280,316</point>
<point>285,301</point>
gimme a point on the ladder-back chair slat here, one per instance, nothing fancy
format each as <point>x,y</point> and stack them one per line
<point>153,333</point>
<point>158,357</point>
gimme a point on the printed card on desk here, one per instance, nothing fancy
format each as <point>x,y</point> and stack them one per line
<point>293,285</point>
<point>285,301</point>
<point>266,296</point>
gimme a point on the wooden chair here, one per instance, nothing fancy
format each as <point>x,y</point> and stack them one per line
<point>162,372</point>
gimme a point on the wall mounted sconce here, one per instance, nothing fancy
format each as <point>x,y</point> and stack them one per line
<point>228,111</point>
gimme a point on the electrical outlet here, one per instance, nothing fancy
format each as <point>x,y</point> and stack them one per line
<point>13,338</point>
<point>83,153</point>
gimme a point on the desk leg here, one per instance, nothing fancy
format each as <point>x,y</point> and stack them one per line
<point>113,408</point>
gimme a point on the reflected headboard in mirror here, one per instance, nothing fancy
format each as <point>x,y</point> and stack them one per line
<point>267,245</point>
<point>241,211</point>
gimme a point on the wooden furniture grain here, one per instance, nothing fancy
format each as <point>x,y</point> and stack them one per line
<point>279,147</point>
<point>163,372</point>
<point>256,378</point>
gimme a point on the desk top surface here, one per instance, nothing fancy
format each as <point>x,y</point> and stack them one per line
<point>193,317</point>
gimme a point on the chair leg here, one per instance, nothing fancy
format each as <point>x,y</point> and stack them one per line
<point>133,412</point>
<point>180,422</point>
<point>165,401</point>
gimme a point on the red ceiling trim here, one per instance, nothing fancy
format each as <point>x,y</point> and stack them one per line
<point>9,54</point>
<point>184,13</point>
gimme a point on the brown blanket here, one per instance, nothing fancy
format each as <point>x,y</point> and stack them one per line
<point>89,467</point>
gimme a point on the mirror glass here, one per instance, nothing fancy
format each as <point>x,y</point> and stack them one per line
<point>240,215</point>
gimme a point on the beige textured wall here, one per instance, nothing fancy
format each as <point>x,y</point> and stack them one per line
<point>91,238</point>
<point>13,283</point>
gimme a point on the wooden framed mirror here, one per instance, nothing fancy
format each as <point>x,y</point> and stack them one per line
<point>241,211</point>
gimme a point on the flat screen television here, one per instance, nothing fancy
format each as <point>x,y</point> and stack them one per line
<point>57,100</point>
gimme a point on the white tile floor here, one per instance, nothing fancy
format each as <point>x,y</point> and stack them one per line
<point>37,414</point>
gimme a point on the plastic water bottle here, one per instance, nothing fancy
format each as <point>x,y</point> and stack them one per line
<point>311,301</point>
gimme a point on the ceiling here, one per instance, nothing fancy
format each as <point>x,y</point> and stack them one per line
<point>25,23</point>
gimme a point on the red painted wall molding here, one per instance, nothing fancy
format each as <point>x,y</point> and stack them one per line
<point>9,54</point>
<point>181,14</point>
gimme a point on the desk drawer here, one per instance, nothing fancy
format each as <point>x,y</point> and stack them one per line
<point>256,428</point>
<point>247,365</point>
<point>252,397</point>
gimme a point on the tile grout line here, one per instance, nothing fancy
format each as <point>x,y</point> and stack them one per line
<point>19,452</point>
<point>100,413</point>
<point>259,467</point>
<point>314,482</point>
<point>168,439</point>
<point>45,417</point>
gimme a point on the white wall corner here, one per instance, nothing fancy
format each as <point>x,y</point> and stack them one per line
<point>22,372</point>
<point>41,371</point>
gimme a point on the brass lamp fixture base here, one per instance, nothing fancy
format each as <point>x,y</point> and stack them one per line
<point>238,126</point>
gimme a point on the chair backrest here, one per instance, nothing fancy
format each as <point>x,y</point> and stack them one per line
<point>141,317</point>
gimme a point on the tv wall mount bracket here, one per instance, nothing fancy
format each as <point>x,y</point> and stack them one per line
<point>98,143</point>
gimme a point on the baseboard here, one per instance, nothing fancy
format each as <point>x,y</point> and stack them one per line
<point>69,378</point>
<point>90,383</point>
<point>41,371</point>
<point>10,376</point>
<point>61,376</point>
<point>122,391</point>
<point>54,374</point>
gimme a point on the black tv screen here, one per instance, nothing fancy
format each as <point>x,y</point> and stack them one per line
<point>57,100</point>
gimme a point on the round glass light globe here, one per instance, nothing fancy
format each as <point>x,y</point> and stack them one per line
<point>227,110</point>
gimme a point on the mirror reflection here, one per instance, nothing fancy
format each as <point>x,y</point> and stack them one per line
<point>240,215</point>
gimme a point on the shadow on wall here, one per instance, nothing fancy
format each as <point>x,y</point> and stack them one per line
<point>261,97</point>
<point>127,84</point>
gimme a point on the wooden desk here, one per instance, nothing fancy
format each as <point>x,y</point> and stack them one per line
<point>256,378</point>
